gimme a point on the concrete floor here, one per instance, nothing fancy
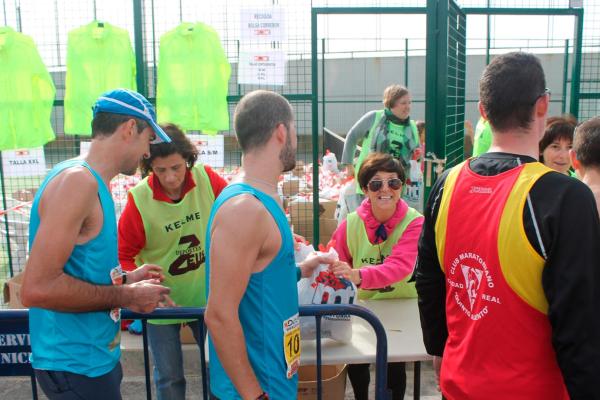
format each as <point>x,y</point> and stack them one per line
<point>134,388</point>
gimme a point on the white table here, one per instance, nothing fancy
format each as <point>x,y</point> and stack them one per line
<point>400,318</point>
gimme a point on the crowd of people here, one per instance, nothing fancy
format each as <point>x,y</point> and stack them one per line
<point>504,260</point>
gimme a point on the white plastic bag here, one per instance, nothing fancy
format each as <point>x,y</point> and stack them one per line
<point>348,201</point>
<point>330,162</point>
<point>323,287</point>
<point>413,194</point>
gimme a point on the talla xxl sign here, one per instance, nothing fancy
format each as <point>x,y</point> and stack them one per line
<point>24,162</point>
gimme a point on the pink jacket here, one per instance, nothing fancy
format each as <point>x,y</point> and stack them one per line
<point>397,265</point>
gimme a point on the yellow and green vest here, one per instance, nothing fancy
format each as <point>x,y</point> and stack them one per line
<point>174,239</point>
<point>396,133</point>
<point>363,252</point>
<point>483,137</point>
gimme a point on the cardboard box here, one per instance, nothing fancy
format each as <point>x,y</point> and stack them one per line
<point>285,201</point>
<point>12,291</point>
<point>299,169</point>
<point>300,208</point>
<point>186,336</point>
<point>301,217</point>
<point>290,187</point>
<point>333,382</point>
<point>24,194</point>
<point>326,228</point>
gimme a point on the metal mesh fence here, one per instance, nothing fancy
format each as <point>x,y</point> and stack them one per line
<point>455,98</point>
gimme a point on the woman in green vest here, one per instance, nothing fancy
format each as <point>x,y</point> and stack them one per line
<point>164,223</point>
<point>388,131</point>
<point>556,143</point>
<point>377,247</point>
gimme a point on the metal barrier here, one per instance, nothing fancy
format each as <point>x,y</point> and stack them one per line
<point>18,319</point>
<point>15,332</point>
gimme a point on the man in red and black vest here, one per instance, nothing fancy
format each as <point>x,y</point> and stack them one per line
<point>508,271</point>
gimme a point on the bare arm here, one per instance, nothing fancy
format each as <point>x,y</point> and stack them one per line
<point>397,265</point>
<point>63,208</point>
<point>356,134</point>
<point>232,261</point>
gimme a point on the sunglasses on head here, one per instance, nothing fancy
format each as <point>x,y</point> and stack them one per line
<point>376,184</point>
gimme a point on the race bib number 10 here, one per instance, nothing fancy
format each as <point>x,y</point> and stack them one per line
<point>291,344</point>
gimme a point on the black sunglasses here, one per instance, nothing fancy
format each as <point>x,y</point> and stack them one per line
<point>376,184</point>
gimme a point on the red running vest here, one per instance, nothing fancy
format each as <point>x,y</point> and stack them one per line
<point>499,336</point>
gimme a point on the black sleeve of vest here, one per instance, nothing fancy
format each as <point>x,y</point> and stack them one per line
<point>571,279</point>
<point>430,280</point>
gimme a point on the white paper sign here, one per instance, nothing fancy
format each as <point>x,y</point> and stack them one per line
<point>24,162</point>
<point>262,68</point>
<point>263,24</point>
<point>211,149</point>
<point>84,147</point>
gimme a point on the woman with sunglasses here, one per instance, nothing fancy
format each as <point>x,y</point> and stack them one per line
<point>389,130</point>
<point>377,246</point>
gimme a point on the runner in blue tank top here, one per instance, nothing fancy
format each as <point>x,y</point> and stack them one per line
<point>72,281</point>
<point>252,310</point>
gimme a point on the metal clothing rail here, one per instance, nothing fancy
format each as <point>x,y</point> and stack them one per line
<point>20,317</point>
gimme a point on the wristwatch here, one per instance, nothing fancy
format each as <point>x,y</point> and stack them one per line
<point>263,396</point>
<point>124,278</point>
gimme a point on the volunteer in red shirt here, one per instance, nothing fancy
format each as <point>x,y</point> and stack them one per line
<point>507,269</point>
<point>164,223</point>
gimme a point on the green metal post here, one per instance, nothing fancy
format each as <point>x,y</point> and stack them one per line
<point>19,21</point>
<point>565,77</point>
<point>323,85</point>
<point>239,86</point>
<point>406,62</point>
<point>56,21</point>
<point>6,227</point>
<point>154,58</point>
<point>487,38</point>
<point>315,122</point>
<point>138,34</point>
<point>436,75</point>
<point>576,71</point>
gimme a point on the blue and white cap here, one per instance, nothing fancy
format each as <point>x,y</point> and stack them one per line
<point>128,102</point>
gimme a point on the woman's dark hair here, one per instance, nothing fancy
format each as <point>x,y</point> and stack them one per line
<point>376,162</point>
<point>180,144</point>
<point>557,128</point>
